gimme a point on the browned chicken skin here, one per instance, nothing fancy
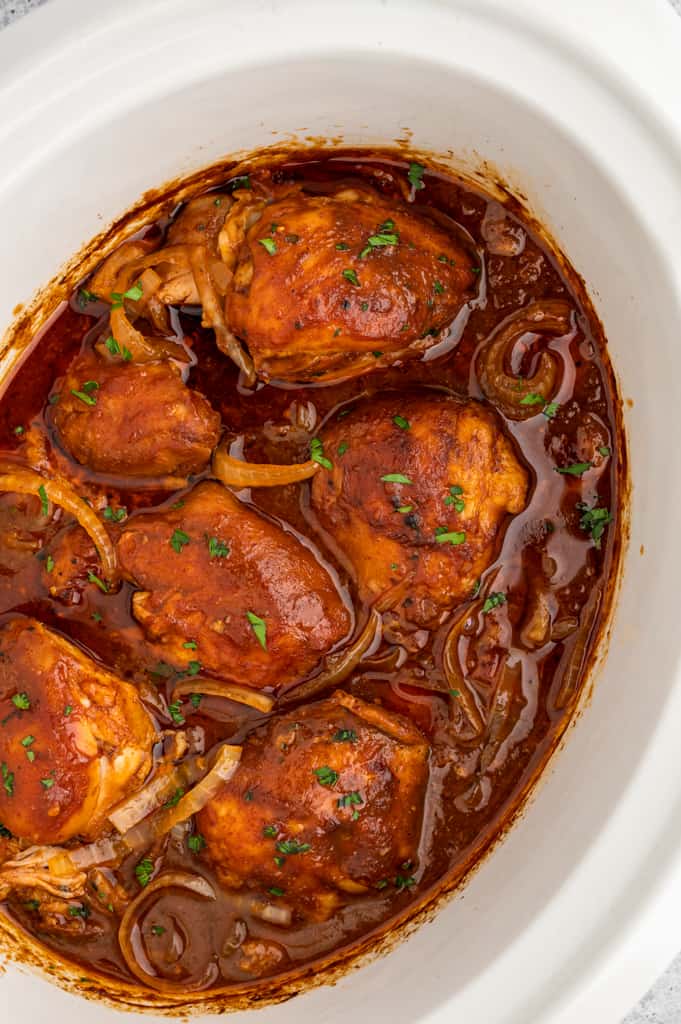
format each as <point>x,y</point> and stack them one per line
<point>76,739</point>
<point>134,419</point>
<point>437,524</point>
<point>328,287</point>
<point>328,797</point>
<point>214,568</point>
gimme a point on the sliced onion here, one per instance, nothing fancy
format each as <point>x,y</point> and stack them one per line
<point>274,913</point>
<point>26,481</point>
<point>337,667</point>
<point>44,867</point>
<point>156,793</point>
<point>236,473</point>
<point>548,316</point>
<point>500,722</point>
<point>213,315</point>
<point>464,701</point>
<point>104,851</point>
<point>573,673</point>
<point>230,691</point>
<point>143,834</point>
<point>103,281</point>
<point>170,880</point>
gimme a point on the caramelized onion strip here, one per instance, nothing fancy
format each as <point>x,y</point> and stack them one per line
<point>230,691</point>
<point>131,948</point>
<point>337,667</point>
<point>506,391</point>
<point>462,697</point>
<point>26,481</point>
<point>156,792</point>
<point>213,315</point>
<point>236,473</point>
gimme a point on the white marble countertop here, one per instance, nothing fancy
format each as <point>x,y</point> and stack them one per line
<point>662,1004</point>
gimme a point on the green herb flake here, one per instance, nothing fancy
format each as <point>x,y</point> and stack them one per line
<point>196,843</point>
<point>190,645</point>
<point>115,515</point>
<point>455,693</point>
<point>396,478</point>
<point>47,783</point>
<point>84,397</point>
<point>242,181</point>
<point>438,287</point>
<point>280,861</point>
<point>289,847</point>
<point>49,563</point>
<point>594,521</point>
<point>494,601</point>
<point>19,431</point>
<point>85,297</point>
<point>342,246</point>
<point>270,831</point>
<point>344,736</point>
<point>82,910</point>
<point>217,548</point>
<point>269,245</point>
<point>532,399</point>
<point>179,540</point>
<point>193,668</point>
<point>92,577</point>
<point>317,453</point>
<point>404,509</point>
<point>135,293</point>
<point>326,776</point>
<point>143,872</point>
<point>454,498</point>
<point>32,904</point>
<point>352,799</point>
<point>550,409</point>
<point>174,800</point>
<point>415,176</point>
<point>605,451</point>
<point>400,422</point>
<point>157,929</point>
<point>452,537</point>
<point>21,701</point>
<point>576,469</point>
<point>67,710</point>
<point>259,627</point>
<point>7,779</point>
<point>175,712</point>
<point>44,501</point>
<point>404,882</point>
<point>351,276</point>
<point>342,448</point>
<point>274,890</point>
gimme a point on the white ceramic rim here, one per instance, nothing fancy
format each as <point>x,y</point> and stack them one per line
<point>609,39</point>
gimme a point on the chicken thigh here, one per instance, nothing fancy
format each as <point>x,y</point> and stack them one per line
<point>134,419</point>
<point>74,738</point>
<point>326,798</point>
<point>420,493</point>
<point>227,589</point>
<point>331,286</point>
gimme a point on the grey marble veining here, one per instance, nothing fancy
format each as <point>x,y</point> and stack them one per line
<point>662,1004</point>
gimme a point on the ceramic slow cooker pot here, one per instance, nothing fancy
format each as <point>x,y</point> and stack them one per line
<point>576,106</point>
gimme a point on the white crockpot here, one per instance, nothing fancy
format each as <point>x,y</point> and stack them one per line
<point>576,105</point>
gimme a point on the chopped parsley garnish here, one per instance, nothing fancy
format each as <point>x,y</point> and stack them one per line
<point>605,451</point>
<point>395,478</point>
<point>31,904</point>
<point>415,176</point>
<point>344,736</point>
<point>217,548</point>
<point>594,521</point>
<point>196,843</point>
<point>404,882</point>
<point>550,409</point>
<point>157,929</point>
<point>143,872</point>
<point>274,890</point>
<point>494,601</point>
<point>80,911</point>
<point>270,831</point>
<point>44,502</point>
<point>476,588</point>
<point>21,701</point>
<point>342,246</point>
<point>379,241</point>
<point>47,783</point>
<point>176,504</point>
<point>455,693</point>
<point>193,667</point>
<point>454,498</point>
<point>84,297</point>
<point>84,397</point>
<point>576,469</point>
<point>400,422</point>
<point>353,799</point>
<point>438,287</point>
<point>450,537</point>
<point>342,448</point>
<point>135,293</point>
<point>280,861</point>
<point>351,276</point>
<point>67,710</point>
<point>96,617</point>
<point>113,346</point>
<point>179,540</point>
<point>289,847</point>
<point>364,307</point>
<point>7,779</point>
<point>175,798</point>
<point>269,244</point>
<point>19,431</point>
<point>92,577</point>
<point>115,515</point>
<point>317,453</point>
<point>532,399</point>
<point>404,509</point>
<point>175,712</point>
<point>326,776</point>
<point>190,645</point>
<point>382,884</point>
<point>259,627</point>
<point>242,181</point>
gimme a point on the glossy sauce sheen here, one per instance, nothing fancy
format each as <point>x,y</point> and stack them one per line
<point>465,806</point>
